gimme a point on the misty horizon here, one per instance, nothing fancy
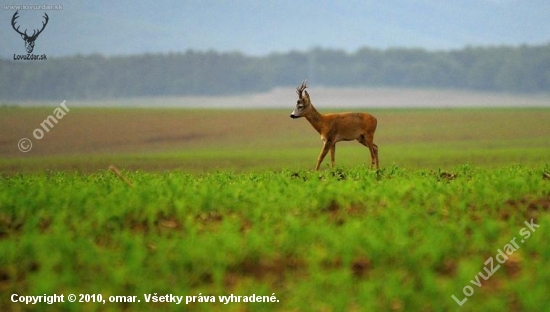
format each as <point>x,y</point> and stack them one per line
<point>263,28</point>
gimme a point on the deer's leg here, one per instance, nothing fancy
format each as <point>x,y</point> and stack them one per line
<point>374,151</point>
<point>367,141</point>
<point>376,155</point>
<point>332,154</point>
<point>324,152</point>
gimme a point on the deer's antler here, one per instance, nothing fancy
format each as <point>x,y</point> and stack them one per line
<point>13,24</point>
<point>35,33</point>
<point>301,88</point>
<point>43,26</point>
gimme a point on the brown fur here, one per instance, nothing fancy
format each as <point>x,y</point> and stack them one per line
<point>337,127</point>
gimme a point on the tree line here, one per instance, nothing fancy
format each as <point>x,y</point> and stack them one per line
<point>513,69</point>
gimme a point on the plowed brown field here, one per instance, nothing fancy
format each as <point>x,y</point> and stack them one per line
<point>159,139</point>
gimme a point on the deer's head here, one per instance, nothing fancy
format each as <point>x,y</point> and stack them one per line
<point>29,40</point>
<point>303,104</point>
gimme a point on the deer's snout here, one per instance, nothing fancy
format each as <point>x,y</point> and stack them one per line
<point>293,115</point>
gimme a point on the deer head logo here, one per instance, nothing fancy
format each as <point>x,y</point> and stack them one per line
<point>29,40</point>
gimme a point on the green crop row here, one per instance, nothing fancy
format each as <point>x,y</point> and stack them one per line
<point>338,240</point>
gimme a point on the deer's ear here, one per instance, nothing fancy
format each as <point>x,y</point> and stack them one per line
<point>306,95</point>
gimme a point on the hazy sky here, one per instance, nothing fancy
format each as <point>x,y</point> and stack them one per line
<point>262,27</point>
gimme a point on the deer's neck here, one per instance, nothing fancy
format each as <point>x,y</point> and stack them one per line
<point>315,119</point>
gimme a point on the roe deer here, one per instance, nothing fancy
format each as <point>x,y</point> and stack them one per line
<point>337,127</point>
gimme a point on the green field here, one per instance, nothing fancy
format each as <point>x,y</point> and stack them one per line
<point>225,203</point>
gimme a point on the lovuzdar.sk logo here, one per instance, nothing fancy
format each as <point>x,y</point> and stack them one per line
<point>29,40</point>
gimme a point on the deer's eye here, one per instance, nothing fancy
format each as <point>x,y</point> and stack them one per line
<point>300,106</point>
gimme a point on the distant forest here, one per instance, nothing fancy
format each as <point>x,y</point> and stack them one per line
<point>522,69</point>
